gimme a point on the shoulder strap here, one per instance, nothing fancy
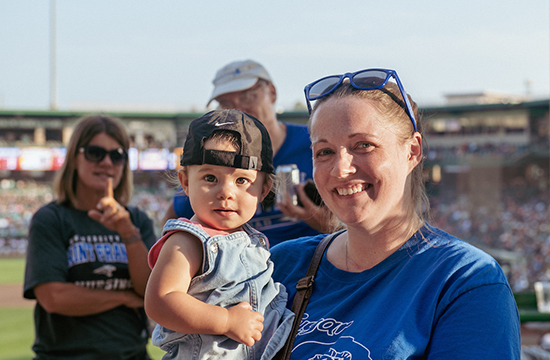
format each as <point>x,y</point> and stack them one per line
<point>304,288</point>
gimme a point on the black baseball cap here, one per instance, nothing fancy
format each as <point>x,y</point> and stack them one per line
<point>255,151</point>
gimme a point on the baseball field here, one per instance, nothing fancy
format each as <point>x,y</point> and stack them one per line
<point>16,332</point>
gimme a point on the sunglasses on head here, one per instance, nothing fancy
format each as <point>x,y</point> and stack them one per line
<point>368,79</point>
<point>96,154</point>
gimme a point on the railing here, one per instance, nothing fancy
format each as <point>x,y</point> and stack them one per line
<point>527,306</point>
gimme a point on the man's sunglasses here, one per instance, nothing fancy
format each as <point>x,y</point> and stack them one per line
<point>368,79</point>
<point>96,154</point>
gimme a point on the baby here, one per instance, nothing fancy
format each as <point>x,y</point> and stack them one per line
<point>210,290</point>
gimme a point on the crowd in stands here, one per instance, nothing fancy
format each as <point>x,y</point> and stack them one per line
<point>519,225</point>
<point>20,200</point>
<point>442,153</point>
<point>154,201</point>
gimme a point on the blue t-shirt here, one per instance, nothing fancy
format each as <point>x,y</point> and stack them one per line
<point>271,221</point>
<point>436,297</point>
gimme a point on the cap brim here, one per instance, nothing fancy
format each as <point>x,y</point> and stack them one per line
<point>232,86</point>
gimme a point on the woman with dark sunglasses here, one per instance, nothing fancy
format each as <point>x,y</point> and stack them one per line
<point>87,254</point>
<point>390,286</point>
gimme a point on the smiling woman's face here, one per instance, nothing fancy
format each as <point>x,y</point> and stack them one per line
<point>360,167</point>
<point>92,177</point>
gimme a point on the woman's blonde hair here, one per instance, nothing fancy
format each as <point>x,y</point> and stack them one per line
<point>390,105</point>
<point>84,131</point>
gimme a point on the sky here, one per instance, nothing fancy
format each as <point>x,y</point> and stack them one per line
<point>161,55</point>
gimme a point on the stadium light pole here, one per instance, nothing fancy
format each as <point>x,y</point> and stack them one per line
<point>53,59</point>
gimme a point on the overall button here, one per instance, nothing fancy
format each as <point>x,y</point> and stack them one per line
<point>214,247</point>
<point>262,240</point>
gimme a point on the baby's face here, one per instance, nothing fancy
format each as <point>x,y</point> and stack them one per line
<point>222,197</point>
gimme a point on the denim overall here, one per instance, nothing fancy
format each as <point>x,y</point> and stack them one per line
<point>236,268</point>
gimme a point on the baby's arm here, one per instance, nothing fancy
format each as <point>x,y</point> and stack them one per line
<point>167,301</point>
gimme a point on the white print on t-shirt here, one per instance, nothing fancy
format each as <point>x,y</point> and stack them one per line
<point>330,326</point>
<point>337,347</point>
<point>107,249</point>
<point>333,355</point>
<point>109,284</point>
<point>84,249</point>
<point>106,270</point>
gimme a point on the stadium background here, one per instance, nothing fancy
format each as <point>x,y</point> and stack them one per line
<point>486,170</point>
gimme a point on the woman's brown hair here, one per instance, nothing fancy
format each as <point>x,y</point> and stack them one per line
<point>84,131</point>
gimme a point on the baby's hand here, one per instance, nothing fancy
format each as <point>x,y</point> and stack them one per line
<point>243,324</point>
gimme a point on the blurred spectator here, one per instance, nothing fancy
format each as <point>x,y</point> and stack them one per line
<point>86,261</point>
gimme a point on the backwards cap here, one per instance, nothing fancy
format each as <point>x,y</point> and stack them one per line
<point>255,151</point>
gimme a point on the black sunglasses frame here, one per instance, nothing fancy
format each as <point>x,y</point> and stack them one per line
<point>118,156</point>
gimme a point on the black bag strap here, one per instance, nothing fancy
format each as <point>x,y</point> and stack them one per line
<point>304,288</point>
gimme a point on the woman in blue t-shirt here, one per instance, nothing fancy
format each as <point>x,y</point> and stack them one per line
<point>390,286</point>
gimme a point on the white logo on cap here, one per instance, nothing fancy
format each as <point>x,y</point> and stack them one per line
<point>225,123</point>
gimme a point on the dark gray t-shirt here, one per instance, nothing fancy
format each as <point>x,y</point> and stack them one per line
<point>65,245</point>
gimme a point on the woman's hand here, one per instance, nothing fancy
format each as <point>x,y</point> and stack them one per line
<point>132,300</point>
<point>70,299</point>
<point>243,324</point>
<point>319,218</point>
<point>114,216</point>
